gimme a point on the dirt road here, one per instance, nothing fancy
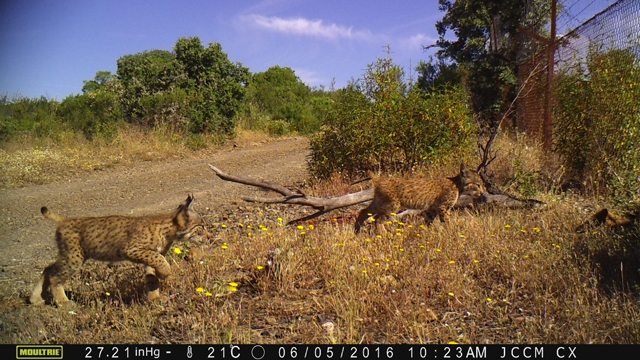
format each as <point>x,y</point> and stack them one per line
<point>26,237</point>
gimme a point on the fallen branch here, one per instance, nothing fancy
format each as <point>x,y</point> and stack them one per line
<point>323,205</point>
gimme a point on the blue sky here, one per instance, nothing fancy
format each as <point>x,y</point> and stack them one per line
<point>50,47</point>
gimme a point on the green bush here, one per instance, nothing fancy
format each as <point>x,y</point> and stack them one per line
<point>277,128</point>
<point>380,123</point>
<point>194,88</point>
<point>597,130</point>
<point>94,113</point>
<point>29,116</point>
<point>89,115</point>
<point>282,96</point>
<point>196,141</point>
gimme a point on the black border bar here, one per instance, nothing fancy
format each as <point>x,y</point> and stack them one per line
<point>338,352</point>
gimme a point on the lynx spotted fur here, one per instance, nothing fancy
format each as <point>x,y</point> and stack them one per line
<point>606,217</point>
<point>143,239</point>
<point>433,197</point>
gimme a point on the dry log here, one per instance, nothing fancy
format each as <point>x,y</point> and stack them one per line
<point>323,205</point>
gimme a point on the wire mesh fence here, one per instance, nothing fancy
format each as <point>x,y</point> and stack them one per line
<point>595,93</point>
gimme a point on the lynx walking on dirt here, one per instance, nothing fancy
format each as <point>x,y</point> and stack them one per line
<point>432,197</point>
<point>143,239</point>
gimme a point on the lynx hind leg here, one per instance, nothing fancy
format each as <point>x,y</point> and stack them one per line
<point>375,209</point>
<point>387,206</point>
<point>36,294</point>
<point>53,279</point>
<point>153,284</point>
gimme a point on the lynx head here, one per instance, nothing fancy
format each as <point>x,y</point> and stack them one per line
<point>189,223</point>
<point>470,183</point>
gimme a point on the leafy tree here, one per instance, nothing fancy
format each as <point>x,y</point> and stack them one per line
<point>281,94</point>
<point>192,88</point>
<point>215,85</point>
<point>380,123</point>
<point>102,79</point>
<point>488,43</point>
<point>438,74</point>
<point>144,75</point>
<point>598,117</point>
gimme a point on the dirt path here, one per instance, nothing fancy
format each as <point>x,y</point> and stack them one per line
<point>26,237</point>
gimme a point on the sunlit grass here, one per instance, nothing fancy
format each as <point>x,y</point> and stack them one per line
<point>485,276</point>
<point>31,160</point>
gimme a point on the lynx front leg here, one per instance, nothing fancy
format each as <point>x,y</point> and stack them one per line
<point>150,258</point>
<point>156,267</point>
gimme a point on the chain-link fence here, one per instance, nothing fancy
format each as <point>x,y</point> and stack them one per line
<point>595,93</point>
<point>616,26</point>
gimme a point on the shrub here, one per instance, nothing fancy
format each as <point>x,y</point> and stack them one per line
<point>597,118</point>
<point>23,116</point>
<point>193,88</point>
<point>379,123</point>
<point>281,95</point>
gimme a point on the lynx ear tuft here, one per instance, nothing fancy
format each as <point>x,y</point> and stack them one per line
<point>187,203</point>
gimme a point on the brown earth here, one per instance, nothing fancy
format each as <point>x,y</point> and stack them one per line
<point>26,237</point>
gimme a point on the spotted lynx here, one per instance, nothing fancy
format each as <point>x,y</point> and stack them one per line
<point>606,217</point>
<point>143,239</point>
<point>431,197</point>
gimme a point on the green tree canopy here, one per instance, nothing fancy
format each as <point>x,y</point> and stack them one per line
<point>193,87</point>
<point>280,93</point>
<point>488,43</point>
<point>99,82</point>
<point>437,74</point>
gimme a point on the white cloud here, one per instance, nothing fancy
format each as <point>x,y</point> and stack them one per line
<point>416,42</point>
<point>309,77</point>
<point>306,27</point>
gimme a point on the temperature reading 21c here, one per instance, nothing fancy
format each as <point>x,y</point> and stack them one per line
<point>234,352</point>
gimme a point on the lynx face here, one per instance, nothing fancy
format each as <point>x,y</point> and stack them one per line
<point>433,198</point>
<point>144,240</point>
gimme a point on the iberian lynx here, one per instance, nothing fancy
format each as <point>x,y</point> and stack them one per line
<point>142,239</point>
<point>432,197</point>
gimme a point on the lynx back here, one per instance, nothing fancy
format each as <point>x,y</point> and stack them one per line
<point>432,197</point>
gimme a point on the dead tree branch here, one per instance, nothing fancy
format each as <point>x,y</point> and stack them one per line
<point>323,205</point>
<point>486,155</point>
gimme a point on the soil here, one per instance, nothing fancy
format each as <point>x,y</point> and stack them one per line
<point>26,237</point>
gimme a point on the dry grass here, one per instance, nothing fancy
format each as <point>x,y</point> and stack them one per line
<point>30,160</point>
<point>494,276</point>
<point>41,160</point>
